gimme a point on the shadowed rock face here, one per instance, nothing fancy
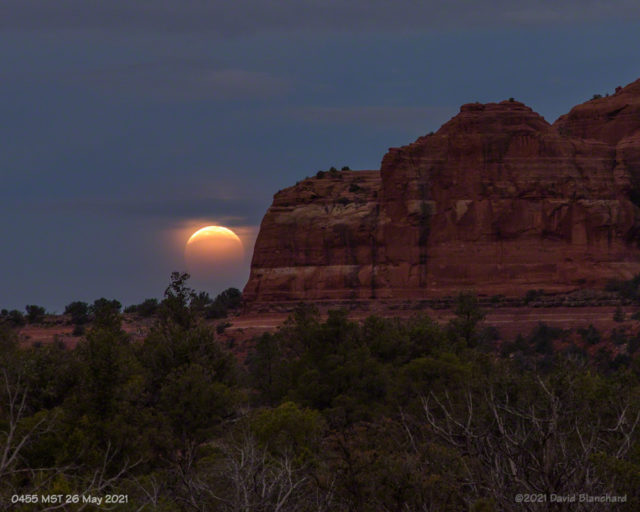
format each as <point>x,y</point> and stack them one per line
<point>498,200</point>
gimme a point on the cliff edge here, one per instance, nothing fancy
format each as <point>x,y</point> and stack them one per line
<point>497,200</point>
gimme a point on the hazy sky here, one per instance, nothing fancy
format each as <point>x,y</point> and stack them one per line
<point>126,124</point>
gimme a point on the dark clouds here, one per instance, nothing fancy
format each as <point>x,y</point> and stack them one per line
<point>225,210</point>
<point>251,16</point>
<point>174,79</point>
<point>375,116</point>
<point>127,123</point>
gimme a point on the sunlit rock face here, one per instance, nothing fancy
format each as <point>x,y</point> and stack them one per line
<point>614,120</point>
<point>318,240</point>
<point>498,200</point>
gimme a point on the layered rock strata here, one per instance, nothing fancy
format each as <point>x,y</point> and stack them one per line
<point>497,200</point>
<point>317,240</point>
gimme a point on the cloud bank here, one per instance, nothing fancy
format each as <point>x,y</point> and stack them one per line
<point>254,16</point>
<point>374,116</point>
<point>184,80</point>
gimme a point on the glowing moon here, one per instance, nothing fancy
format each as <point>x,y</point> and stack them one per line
<point>213,253</point>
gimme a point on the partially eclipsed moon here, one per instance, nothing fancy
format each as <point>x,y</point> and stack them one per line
<point>213,252</point>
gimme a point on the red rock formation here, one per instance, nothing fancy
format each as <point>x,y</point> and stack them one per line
<point>497,200</point>
<point>316,240</point>
<point>615,120</point>
<point>609,119</point>
<point>508,204</point>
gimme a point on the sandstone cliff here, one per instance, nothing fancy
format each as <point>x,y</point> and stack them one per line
<point>317,240</point>
<point>498,200</point>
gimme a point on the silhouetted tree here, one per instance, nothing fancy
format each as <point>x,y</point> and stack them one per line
<point>468,317</point>
<point>35,313</point>
<point>79,312</point>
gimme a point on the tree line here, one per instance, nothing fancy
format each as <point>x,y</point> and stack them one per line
<point>326,414</point>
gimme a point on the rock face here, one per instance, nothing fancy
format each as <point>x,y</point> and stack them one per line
<point>317,240</point>
<point>608,119</point>
<point>498,200</point>
<point>614,120</point>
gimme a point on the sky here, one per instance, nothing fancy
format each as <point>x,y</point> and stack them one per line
<point>128,124</point>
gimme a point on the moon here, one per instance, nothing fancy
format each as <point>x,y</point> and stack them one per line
<point>214,254</point>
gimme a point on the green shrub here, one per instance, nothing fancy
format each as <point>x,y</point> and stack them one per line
<point>618,337</point>
<point>629,289</point>
<point>469,316</point>
<point>145,309</point>
<point>543,336</point>
<point>220,328</point>
<point>532,295</point>
<point>13,318</point>
<point>590,335</point>
<point>105,312</point>
<point>79,312</point>
<point>229,299</point>
<point>35,313</point>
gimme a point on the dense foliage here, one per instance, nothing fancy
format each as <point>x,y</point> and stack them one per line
<point>382,415</point>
